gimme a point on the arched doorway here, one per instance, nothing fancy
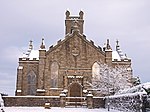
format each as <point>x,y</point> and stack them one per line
<point>75,90</point>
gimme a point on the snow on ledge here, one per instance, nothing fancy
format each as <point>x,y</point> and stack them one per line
<point>115,55</point>
<point>56,88</point>
<point>62,94</point>
<point>98,97</point>
<point>32,96</point>
<point>40,90</point>
<point>126,95</point>
<point>20,67</point>
<point>89,94</point>
<point>19,91</point>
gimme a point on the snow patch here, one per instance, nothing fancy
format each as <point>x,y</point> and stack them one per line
<point>40,90</point>
<point>19,91</point>
<point>115,55</point>
<point>20,67</point>
<point>1,102</point>
<point>32,96</point>
<point>54,109</point>
<point>137,89</point>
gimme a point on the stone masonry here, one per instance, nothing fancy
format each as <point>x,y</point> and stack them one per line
<point>67,66</point>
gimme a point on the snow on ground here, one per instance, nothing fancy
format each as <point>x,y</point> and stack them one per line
<point>53,109</point>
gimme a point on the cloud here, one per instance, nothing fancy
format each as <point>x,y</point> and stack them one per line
<point>125,20</point>
<point>6,82</point>
<point>11,54</point>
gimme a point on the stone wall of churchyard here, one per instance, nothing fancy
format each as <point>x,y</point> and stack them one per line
<point>31,101</point>
<point>128,102</point>
<point>98,102</point>
<point>55,101</point>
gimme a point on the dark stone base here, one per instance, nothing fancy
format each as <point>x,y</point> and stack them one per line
<point>31,101</point>
<point>98,102</point>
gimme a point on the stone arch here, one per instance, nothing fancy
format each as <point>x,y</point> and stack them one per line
<point>31,83</point>
<point>54,74</point>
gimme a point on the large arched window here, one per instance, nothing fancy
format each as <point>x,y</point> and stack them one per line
<point>54,75</point>
<point>31,79</point>
<point>95,70</point>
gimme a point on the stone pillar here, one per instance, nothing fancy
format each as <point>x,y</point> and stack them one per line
<point>40,85</point>
<point>89,100</point>
<point>19,81</point>
<point>62,100</point>
<point>108,54</point>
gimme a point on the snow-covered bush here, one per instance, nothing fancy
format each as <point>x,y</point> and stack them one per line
<point>144,88</point>
<point>1,101</point>
<point>131,102</point>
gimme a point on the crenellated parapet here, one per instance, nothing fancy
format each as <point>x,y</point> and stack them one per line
<point>122,60</point>
<point>27,59</point>
<point>74,22</point>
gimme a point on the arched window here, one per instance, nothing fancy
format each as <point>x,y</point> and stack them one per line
<point>95,70</point>
<point>31,79</point>
<point>54,75</point>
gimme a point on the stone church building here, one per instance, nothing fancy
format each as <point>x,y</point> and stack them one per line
<point>66,66</point>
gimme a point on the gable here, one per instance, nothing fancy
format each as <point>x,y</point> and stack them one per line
<point>71,37</point>
<point>76,46</point>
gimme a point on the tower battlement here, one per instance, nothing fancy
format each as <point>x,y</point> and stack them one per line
<point>74,21</point>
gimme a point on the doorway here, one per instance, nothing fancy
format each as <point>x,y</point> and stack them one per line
<point>75,90</point>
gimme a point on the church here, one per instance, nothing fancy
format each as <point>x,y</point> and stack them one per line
<point>66,66</point>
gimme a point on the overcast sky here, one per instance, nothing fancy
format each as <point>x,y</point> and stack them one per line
<point>25,20</point>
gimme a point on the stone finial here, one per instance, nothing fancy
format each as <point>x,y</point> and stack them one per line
<point>29,49</point>
<point>67,14</point>
<point>81,14</point>
<point>117,42</point>
<point>108,45</point>
<point>43,44</point>
<point>30,45</point>
<point>125,55</point>
<point>118,49</point>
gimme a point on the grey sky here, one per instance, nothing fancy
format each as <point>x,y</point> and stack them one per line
<point>24,20</point>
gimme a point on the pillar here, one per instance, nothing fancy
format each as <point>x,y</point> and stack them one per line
<point>62,100</point>
<point>89,100</point>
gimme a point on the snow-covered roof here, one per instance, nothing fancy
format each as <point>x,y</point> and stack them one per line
<point>118,54</point>
<point>32,54</point>
<point>115,55</point>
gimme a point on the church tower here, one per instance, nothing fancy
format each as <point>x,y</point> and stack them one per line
<point>72,20</point>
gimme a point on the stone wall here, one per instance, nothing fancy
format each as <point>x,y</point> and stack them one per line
<point>127,103</point>
<point>31,100</point>
<point>55,101</point>
<point>98,102</point>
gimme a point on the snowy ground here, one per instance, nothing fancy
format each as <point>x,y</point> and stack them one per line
<point>53,109</point>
